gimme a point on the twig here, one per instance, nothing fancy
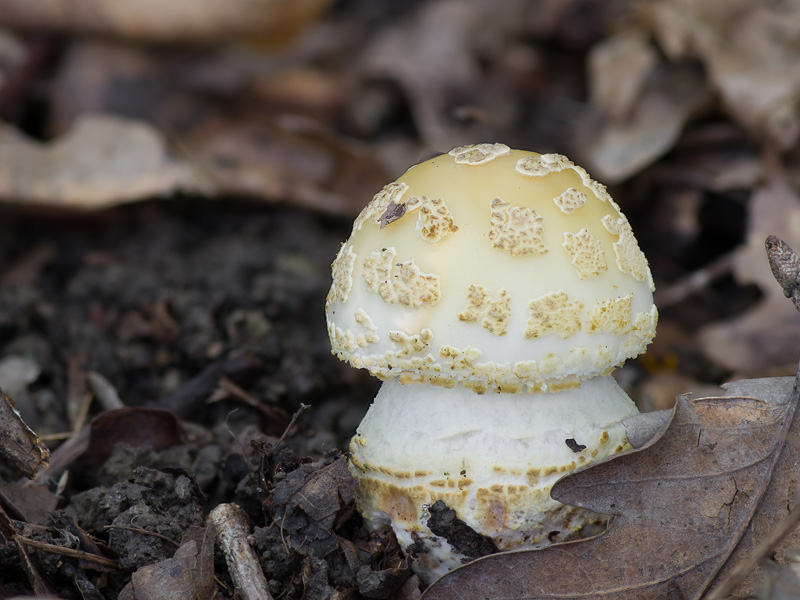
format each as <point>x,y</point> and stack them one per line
<point>232,532</point>
<point>226,388</point>
<point>63,456</point>
<point>145,532</point>
<point>286,431</point>
<point>700,279</point>
<point>79,554</point>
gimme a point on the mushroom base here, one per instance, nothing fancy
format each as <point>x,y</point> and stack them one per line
<point>492,458</point>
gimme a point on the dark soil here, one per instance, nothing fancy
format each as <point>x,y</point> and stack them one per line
<point>213,312</point>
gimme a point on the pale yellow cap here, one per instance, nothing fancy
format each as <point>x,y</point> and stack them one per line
<point>499,269</point>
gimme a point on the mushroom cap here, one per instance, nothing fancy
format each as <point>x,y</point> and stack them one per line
<point>500,269</point>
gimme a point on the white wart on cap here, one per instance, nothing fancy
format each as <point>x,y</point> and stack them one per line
<point>498,269</point>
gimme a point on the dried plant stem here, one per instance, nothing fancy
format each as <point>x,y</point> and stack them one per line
<point>79,554</point>
<point>232,531</point>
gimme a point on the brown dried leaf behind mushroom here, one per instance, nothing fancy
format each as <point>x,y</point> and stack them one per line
<point>685,506</point>
<point>765,337</point>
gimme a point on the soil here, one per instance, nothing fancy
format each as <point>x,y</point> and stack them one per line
<point>207,319</point>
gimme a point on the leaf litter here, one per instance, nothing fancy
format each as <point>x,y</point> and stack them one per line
<point>688,109</point>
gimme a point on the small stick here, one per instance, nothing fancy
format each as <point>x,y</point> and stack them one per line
<point>142,531</point>
<point>79,554</point>
<point>691,284</point>
<point>232,530</point>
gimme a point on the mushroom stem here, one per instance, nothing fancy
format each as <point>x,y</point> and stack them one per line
<point>492,458</point>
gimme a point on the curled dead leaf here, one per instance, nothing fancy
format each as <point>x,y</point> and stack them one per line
<point>618,70</point>
<point>137,426</point>
<point>273,21</point>
<point>188,574</point>
<point>750,52</point>
<point>102,161</point>
<point>669,97</point>
<point>18,443</point>
<point>689,505</point>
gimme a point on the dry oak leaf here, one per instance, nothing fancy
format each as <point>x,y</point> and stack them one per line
<point>272,22</point>
<point>188,574</point>
<point>766,335</point>
<point>689,505</point>
<point>102,161</point>
<point>308,501</point>
<point>671,95</point>
<point>749,50</point>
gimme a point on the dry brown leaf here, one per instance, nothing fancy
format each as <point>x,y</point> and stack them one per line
<point>18,443</point>
<point>206,21</point>
<point>766,336</point>
<point>137,426</point>
<point>670,96</point>
<point>104,161</point>
<point>308,501</point>
<point>28,503</point>
<point>101,161</point>
<point>750,51</point>
<point>781,581</point>
<point>689,504</point>
<point>434,57</point>
<point>188,574</point>
<point>717,169</point>
<point>289,159</point>
<point>618,70</point>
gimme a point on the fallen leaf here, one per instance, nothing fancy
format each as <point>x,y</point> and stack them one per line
<point>287,159</point>
<point>766,335</point>
<point>307,502</point>
<point>781,581</point>
<point>435,57</point>
<point>749,50</point>
<point>271,21</point>
<point>711,157</point>
<point>104,161</point>
<point>189,574</point>
<point>101,161</point>
<point>18,443</point>
<point>29,503</point>
<point>688,505</point>
<point>618,70</point>
<point>671,95</point>
<point>137,426</point>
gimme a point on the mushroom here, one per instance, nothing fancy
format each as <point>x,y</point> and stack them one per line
<point>493,291</point>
